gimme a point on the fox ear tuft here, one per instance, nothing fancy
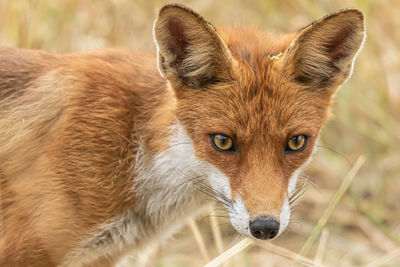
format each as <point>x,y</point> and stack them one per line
<point>190,51</point>
<point>321,56</point>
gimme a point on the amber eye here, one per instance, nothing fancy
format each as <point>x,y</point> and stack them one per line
<point>296,143</point>
<point>223,143</point>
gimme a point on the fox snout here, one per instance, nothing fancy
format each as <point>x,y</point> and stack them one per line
<point>260,214</point>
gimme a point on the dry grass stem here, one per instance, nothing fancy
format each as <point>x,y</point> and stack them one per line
<point>230,253</point>
<point>332,205</point>
<point>321,246</point>
<point>377,237</point>
<point>283,252</point>
<point>216,231</point>
<point>199,240</point>
<point>385,259</point>
<point>377,222</point>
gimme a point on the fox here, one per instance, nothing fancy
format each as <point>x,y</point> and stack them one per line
<point>105,152</point>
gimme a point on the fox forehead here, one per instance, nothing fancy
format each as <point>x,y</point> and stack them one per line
<point>262,104</point>
<point>254,47</point>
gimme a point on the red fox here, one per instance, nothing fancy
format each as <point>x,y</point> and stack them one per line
<point>104,152</point>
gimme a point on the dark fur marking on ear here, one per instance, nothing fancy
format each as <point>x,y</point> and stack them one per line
<point>336,47</point>
<point>346,71</point>
<point>179,42</point>
<point>201,81</point>
<point>302,79</point>
<point>209,81</point>
<point>162,58</point>
<point>319,81</point>
<point>313,83</point>
<point>324,83</point>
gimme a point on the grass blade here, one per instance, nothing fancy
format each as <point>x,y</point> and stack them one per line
<point>332,205</point>
<point>230,253</point>
<point>285,253</point>
<point>199,240</point>
<point>216,231</point>
<point>322,246</point>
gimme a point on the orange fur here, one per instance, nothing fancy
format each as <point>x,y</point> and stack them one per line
<point>74,127</point>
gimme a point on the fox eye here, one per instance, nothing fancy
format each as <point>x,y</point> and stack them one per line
<point>296,143</point>
<point>223,143</point>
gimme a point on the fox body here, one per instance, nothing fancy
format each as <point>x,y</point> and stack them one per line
<point>104,152</point>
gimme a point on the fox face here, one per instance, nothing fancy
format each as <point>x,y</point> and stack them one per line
<point>253,104</point>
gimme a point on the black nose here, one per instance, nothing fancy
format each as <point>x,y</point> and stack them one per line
<point>264,227</point>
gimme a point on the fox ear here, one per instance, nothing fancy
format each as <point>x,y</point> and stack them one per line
<point>190,51</point>
<point>321,56</point>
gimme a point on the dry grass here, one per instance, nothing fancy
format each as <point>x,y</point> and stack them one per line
<point>364,227</point>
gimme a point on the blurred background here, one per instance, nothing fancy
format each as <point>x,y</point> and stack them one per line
<point>365,226</point>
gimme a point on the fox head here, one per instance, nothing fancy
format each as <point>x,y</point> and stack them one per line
<point>253,103</point>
